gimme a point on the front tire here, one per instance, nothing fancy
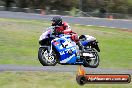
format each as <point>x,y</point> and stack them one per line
<point>92,62</point>
<point>46,59</point>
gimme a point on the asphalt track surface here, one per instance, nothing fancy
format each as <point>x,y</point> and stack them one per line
<point>63,68</point>
<point>123,24</point>
<point>103,22</point>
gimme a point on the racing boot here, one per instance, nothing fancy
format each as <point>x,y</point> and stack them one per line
<point>81,47</point>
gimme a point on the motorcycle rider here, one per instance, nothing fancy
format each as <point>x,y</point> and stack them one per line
<point>63,28</point>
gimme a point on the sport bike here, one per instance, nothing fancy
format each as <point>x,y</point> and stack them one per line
<point>60,48</point>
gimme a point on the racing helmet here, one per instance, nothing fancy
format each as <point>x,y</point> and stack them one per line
<point>56,21</point>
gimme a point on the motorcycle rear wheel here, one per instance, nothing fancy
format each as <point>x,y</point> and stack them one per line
<point>46,59</point>
<point>93,63</point>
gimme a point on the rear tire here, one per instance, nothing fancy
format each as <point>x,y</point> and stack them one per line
<point>88,61</point>
<point>45,59</point>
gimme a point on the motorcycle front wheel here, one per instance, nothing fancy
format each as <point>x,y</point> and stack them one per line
<point>45,58</point>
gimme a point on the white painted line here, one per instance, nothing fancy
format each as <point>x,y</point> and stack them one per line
<point>100,26</point>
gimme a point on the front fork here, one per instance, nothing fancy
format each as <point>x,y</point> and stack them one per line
<point>49,48</point>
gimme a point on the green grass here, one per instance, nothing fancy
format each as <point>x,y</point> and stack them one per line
<point>19,43</point>
<point>47,80</point>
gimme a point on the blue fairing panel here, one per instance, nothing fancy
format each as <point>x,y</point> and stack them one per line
<point>68,58</point>
<point>84,43</point>
<point>65,56</point>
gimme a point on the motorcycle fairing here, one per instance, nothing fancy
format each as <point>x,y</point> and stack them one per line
<point>66,48</point>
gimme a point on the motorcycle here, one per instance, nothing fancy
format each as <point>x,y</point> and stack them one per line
<point>59,48</point>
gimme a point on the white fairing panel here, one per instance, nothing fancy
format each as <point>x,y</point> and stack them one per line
<point>90,38</point>
<point>44,35</point>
